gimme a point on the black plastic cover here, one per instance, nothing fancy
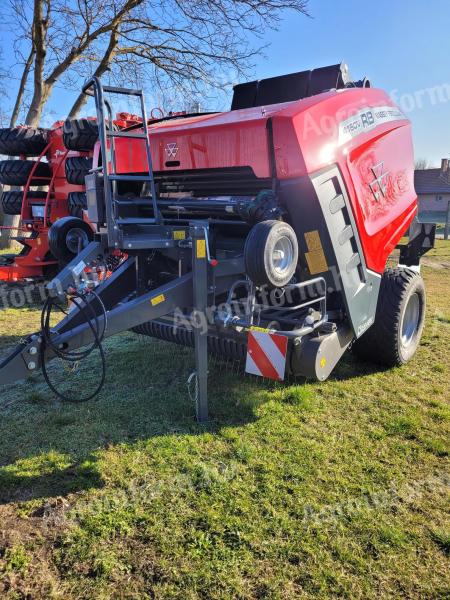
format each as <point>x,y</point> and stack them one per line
<point>287,88</point>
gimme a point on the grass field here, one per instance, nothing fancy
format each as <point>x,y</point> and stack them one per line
<point>310,490</point>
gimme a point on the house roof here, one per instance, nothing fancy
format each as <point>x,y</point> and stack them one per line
<point>431,181</point>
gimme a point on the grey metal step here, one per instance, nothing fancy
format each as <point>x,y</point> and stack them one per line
<point>125,134</point>
<point>115,177</point>
<point>145,241</point>
<point>337,204</point>
<point>136,201</point>
<point>135,221</point>
<point>354,262</point>
<point>124,91</point>
<point>345,235</point>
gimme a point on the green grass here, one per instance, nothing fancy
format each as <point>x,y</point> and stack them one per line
<point>308,490</point>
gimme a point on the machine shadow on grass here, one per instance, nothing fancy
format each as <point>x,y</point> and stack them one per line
<point>49,448</point>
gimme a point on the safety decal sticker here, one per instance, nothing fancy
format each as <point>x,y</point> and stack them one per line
<point>266,355</point>
<point>179,234</point>
<point>157,299</point>
<point>315,257</point>
<point>78,268</point>
<point>201,249</point>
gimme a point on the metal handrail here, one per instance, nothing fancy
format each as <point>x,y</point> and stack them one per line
<point>93,87</point>
<point>26,188</point>
<point>294,333</point>
<point>51,185</point>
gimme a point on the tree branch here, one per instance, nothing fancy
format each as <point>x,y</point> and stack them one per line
<point>103,66</point>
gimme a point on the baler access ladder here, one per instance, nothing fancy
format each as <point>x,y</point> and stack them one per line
<point>117,224</point>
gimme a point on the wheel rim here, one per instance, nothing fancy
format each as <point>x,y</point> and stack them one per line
<point>76,239</point>
<point>411,320</point>
<point>282,255</point>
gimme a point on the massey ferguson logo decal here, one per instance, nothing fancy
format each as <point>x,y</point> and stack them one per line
<point>171,149</point>
<point>367,119</point>
<point>378,186</point>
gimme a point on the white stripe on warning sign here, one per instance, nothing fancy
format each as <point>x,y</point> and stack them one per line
<point>252,367</point>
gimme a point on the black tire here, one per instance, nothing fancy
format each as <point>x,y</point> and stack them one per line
<point>259,253</point>
<point>77,202</point>
<point>12,201</point>
<point>80,134</point>
<point>63,237</point>
<point>23,140</point>
<point>16,172</point>
<point>394,337</point>
<point>77,167</point>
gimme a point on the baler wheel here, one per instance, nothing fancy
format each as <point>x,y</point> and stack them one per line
<point>76,168</point>
<point>271,253</point>
<point>77,202</point>
<point>395,336</point>
<point>16,172</point>
<point>12,200</point>
<point>15,141</point>
<point>67,236</point>
<point>80,134</point>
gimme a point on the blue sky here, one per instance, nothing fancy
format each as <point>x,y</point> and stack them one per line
<point>402,46</point>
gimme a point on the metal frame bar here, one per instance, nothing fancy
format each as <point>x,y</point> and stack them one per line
<point>200,260</point>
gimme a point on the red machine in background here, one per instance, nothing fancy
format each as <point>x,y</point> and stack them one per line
<point>52,187</point>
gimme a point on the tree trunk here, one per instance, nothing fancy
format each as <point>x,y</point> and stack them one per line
<point>41,91</point>
<point>12,221</point>
<point>21,91</point>
<point>38,101</point>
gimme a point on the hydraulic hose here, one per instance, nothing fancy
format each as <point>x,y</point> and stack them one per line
<point>73,356</point>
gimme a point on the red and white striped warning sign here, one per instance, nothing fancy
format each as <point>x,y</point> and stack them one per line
<point>266,354</point>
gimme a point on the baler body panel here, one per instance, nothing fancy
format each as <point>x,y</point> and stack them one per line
<point>385,208</point>
<point>359,130</point>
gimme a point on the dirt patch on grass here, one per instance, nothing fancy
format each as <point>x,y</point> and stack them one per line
<point>435,262</point>
<point>27,567</point>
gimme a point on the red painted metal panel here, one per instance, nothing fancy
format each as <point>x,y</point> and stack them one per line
<point>351,128</point>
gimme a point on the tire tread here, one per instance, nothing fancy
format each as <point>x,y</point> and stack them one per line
<point>379,344</point>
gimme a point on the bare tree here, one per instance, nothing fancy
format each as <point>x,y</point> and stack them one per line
<point>421,164</point>
<point>162,42</point>
<point>4,219</point>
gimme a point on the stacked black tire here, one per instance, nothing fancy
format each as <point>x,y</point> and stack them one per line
<point>22,141</point>
<point>13,199</point>
<point>77,167</point>
<point>80,135</point>
<point>77,202</point>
